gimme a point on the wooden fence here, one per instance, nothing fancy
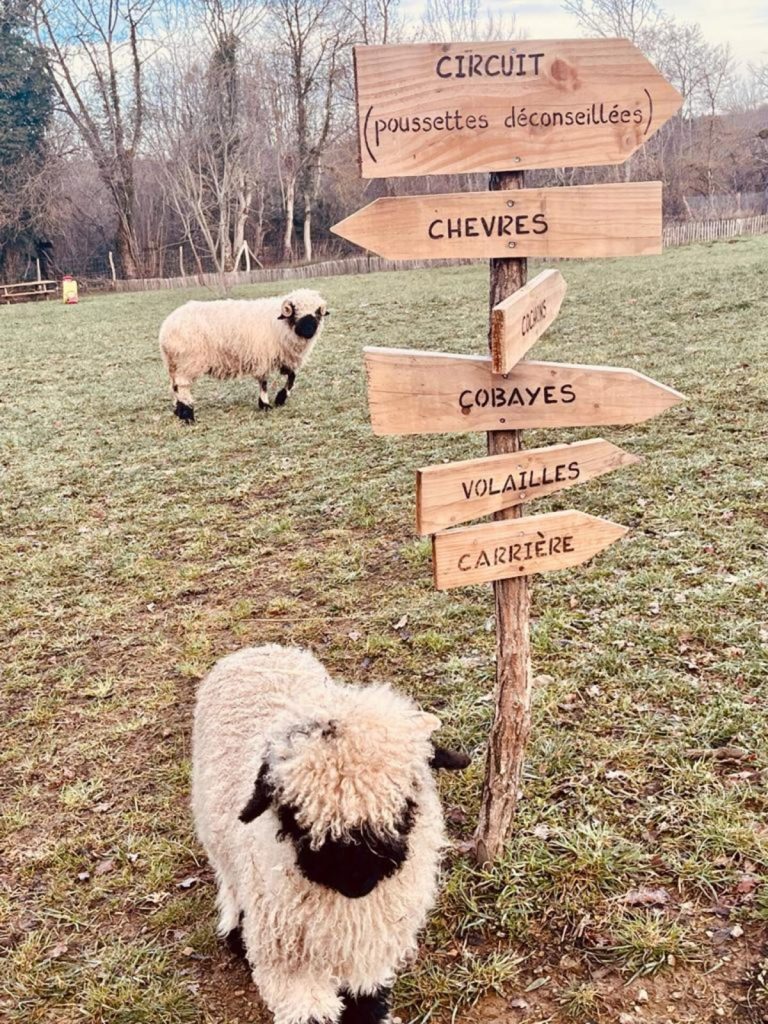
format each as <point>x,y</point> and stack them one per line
<point>710,230</point>
<point>674,234</point>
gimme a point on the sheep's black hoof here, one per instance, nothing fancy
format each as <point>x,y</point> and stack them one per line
<point>264,405</point>
<point>234,940</point>
<point>281,397</point>
<point>185,412</point>
<point>360,1009</point>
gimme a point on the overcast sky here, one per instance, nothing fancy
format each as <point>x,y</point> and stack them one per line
<point>742,23</point>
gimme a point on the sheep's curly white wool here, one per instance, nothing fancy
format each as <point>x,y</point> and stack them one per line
<point>306,943</point>
<point>228,338</point>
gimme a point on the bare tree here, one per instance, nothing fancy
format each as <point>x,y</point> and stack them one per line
<point>206,132</point>
<point>636,20</point>
<point>309,38</point>
<point>462,20</point>
<point>96,57</point>
<point>374,22</point>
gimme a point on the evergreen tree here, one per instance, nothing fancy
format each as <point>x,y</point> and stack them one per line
<point>26,107</point>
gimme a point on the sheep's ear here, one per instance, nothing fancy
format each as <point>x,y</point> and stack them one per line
<point>452,760</point>
<point>430,723</point>
<point>287,311</point>
<point>260,798</point>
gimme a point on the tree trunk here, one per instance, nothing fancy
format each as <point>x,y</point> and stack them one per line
<point>512,710</point>
<point>126,245</point>
<point>290,200</point>
<point>307,227</point>
<point>126,248</point>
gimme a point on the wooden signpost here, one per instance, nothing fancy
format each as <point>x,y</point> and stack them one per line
<point>519,321</point>
<point>438,108</point>
<point>519,547</point>
<point>411,392</point>
<point>500,107</point>
<point>585,220</point>
<point>454,493</point>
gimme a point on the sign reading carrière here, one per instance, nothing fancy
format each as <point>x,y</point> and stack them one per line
<point>437,108</point>
<point>581,221</point>
<point>519,547</point>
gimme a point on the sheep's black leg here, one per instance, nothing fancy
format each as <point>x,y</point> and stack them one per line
<point>185,412</point>
<point>290,378</point>
<point>359,1009</point>
<point>264,394</point>
<point>234,939</point>
<point>183,408</point>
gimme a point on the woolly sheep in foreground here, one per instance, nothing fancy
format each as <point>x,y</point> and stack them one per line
<point>317,809</point>
<point>237,338</point>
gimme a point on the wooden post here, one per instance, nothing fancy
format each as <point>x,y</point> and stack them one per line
<point>512,703</point>
<point>181,261</point>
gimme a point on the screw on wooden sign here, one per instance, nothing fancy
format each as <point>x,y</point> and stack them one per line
<point>580,221</point>
<point>412,392</point>
<point>439,108</point>
<point>454,493</point>
<point>519,321</point>
<point>519,547</point>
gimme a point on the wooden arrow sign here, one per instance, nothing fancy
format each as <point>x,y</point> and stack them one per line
<point>438,108</point>
<point>519,547</point>
<point>413,392</point>
<point>454,493</point>
<point>518,322</point>
<point>583,220</point>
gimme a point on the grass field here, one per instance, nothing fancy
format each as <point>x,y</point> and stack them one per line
<point>135,551</point>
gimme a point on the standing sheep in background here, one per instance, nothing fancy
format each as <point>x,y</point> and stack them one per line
<point>239,338</point>
<point>316,805</point>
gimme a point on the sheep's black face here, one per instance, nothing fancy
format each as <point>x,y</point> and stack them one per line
<point>352,866</point>
<point>306,326</point>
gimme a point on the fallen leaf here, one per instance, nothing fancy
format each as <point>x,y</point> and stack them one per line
<point>104,867</point>
<point>354,635</point>
<point>737,931</point>
<point>518,1004</point>
<point>187,883</point>
<point>645,898</point>
<point>402,622</point>
<point>58,950</point>
<point>83,876</point>
<point>747,883</point>
<point>537,984</point>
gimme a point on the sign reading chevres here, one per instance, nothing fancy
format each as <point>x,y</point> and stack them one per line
<point>581,221</point>
<point>519,547</point>
<point>412,392</point>
<point>437,108</point>
<point>457,491</point>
